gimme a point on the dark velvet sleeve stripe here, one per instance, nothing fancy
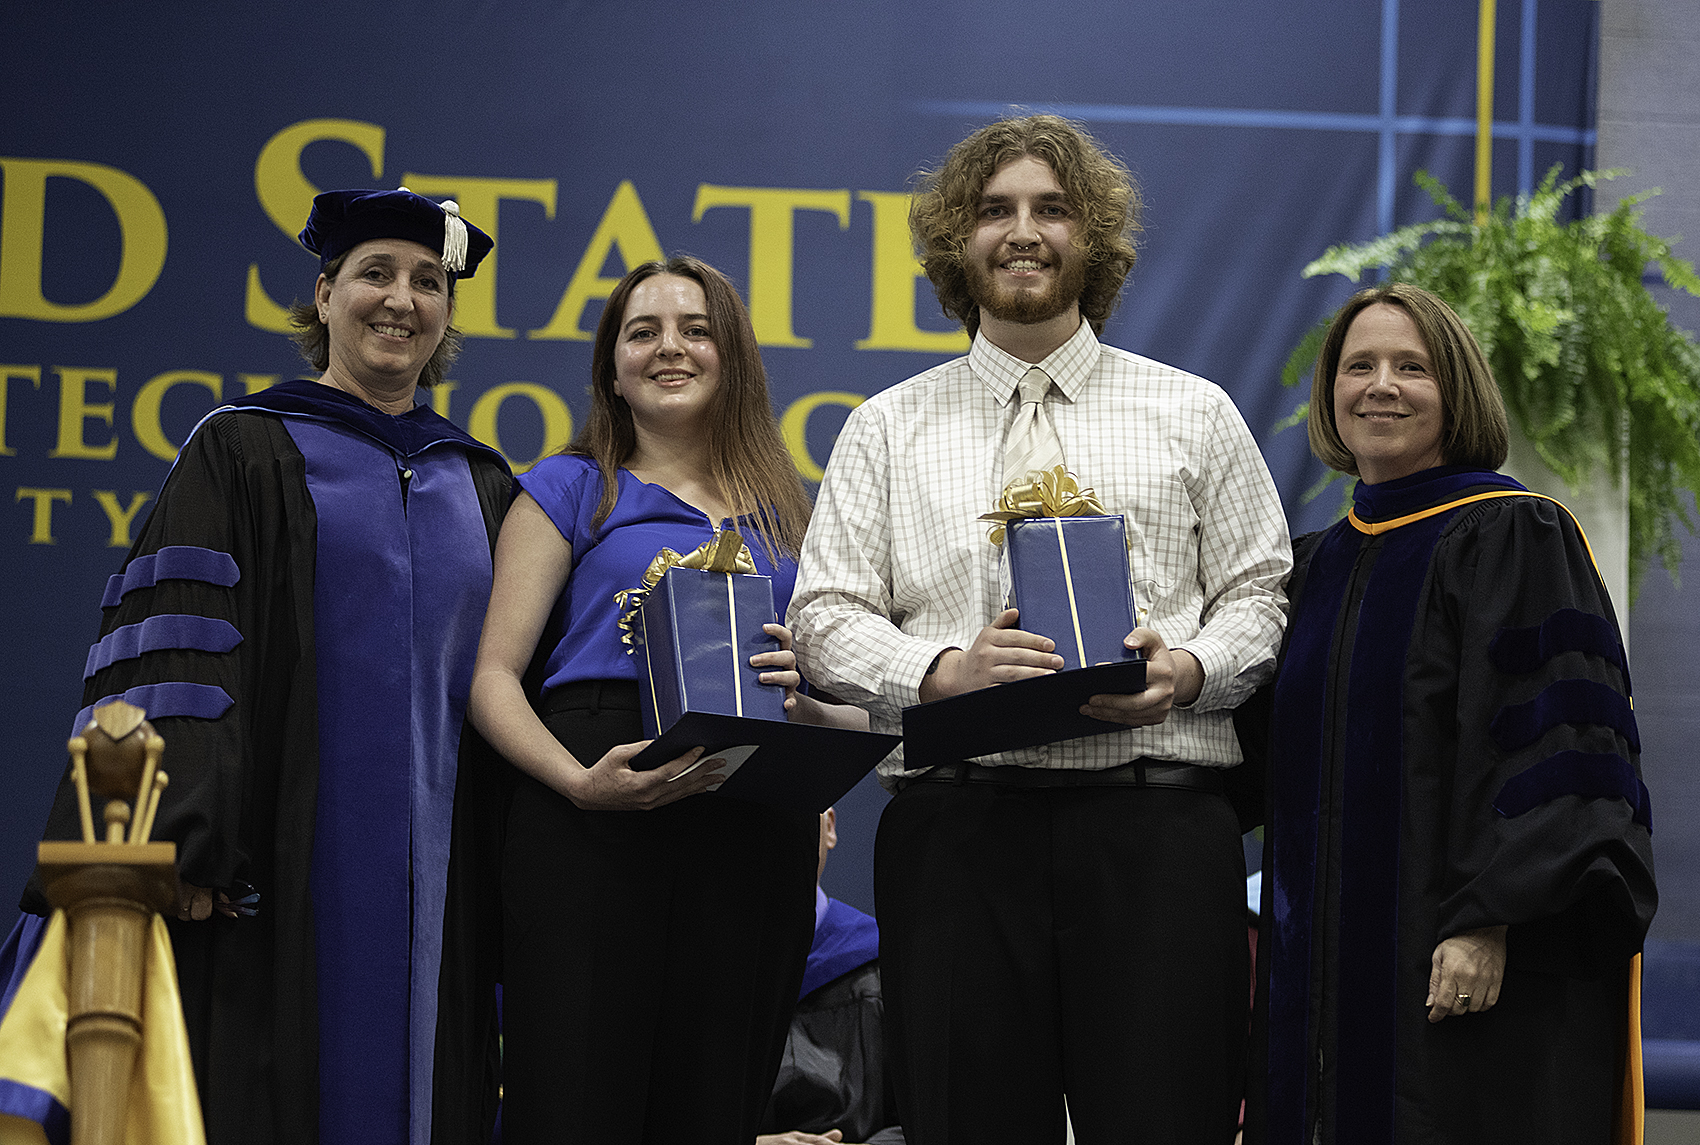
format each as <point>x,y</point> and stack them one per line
<point>174,562</point>
<point>1591,775</point>
<point>1565,702</point>
<point>170,631</point>
<point>1519,650</point>
<point>202,701</point>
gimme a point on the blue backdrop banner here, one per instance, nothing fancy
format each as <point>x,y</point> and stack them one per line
<point>156,162</point>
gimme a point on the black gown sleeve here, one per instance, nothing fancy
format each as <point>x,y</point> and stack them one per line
<point>1547,826</point>
<point>201,628</point>
<point>833,1073</point>
<point>1247,786</point>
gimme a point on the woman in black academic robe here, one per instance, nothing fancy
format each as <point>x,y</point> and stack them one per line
<point>1458,869</point>
<point>299,617</point>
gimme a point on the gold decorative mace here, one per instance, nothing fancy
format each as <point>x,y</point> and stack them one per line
<point>109,891</point>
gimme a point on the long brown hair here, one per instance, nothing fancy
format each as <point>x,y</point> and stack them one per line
<point>748,460</point>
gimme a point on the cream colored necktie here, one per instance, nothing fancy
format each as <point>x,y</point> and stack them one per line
<point>1032,443</point>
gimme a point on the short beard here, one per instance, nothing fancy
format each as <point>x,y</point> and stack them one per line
<point>1027,307</point>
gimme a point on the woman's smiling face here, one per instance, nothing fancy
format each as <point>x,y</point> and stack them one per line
<point>666,362</point>
<point>387,310</point>
<point>1387,401</point>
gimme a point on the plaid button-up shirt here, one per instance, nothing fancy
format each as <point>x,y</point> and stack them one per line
<point>897,567</point>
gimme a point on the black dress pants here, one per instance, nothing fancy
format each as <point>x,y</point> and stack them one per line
<point>652,958</point>
<point>1087,941</point>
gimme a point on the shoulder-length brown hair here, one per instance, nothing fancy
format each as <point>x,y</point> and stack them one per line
<point>313,338</point>
<point>748,460</point>
<point>945,209</point>
<point>1476,432</point>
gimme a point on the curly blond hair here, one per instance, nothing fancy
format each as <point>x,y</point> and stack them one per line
<point>945,209</point>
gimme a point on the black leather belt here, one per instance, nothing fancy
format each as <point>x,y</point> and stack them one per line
<point>1139,773</point>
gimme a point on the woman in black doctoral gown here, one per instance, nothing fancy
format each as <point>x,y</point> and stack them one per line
<point>1458,871</point>
<point>299,617</point>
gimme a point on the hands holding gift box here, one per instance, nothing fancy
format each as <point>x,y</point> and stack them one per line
<point>1003,652</point>
<point>801,708</point>
<point>1076,598</point>
<point>727,555</point>
<point>539,560</point>
<point>1171,677</point>
<point>715,670</point>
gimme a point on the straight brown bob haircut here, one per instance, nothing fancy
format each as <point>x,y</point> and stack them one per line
<point>1476,433</point>
<point>945,209</point>
<point>747,459</point>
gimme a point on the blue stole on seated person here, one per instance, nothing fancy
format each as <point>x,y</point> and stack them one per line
<point>845,940</point>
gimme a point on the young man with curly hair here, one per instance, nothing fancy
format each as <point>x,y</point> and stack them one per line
<point>1066,920</point>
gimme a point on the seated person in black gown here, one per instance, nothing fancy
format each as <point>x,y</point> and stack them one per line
<point>832,1085</point>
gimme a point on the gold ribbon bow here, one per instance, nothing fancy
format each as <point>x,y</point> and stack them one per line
<point>1050,493</point>
<point>725,552</point>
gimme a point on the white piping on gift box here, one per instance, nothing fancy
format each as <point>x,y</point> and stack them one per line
<point>649,666</point>
<point>732,626</point>
<point>1073,610</point>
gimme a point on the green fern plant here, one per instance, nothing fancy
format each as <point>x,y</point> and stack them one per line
<point>1592,371</point>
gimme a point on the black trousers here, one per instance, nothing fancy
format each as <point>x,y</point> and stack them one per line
<point>1037,942</point>
<point>652,958</point>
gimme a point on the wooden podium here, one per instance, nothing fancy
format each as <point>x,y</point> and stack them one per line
<point>109,891</point>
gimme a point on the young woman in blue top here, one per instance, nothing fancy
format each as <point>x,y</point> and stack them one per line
<point>653,942</point>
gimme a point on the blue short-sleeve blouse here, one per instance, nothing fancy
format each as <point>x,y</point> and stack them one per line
<point>646,519</point>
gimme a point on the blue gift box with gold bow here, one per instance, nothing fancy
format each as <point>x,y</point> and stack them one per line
<point>1064,565</point>
<point>693,625</point>
<point>1068,576</point>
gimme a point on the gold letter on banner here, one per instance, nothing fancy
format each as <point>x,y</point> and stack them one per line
<point>794,427</point>
<point>41,528</point>
<point>287,197</point>
<point>74,409</point>
<point>440,397</point>
<point>557,418</point>
<point>625,225</point>
<point>23,227</point>
<point>479,199</point>
<point>771,213</point>
<point>119,516</point>
<point>7,374</point>
<point>896,272</point>
<point>144,414</point>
